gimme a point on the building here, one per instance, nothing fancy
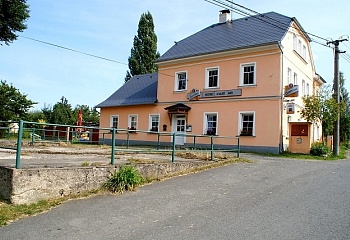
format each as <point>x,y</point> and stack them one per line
<point>241,77</point>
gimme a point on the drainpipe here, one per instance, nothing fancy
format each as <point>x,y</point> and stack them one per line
<point>282,108</point>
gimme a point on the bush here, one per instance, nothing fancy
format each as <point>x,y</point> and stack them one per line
<point>126,179</point>
<point>319,149</point>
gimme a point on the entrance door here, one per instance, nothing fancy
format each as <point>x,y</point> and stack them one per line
<point>179,126</point>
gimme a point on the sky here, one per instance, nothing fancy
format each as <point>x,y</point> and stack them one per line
<point>106,28</point>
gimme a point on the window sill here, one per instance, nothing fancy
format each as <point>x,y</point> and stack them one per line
<point>211,88</point>
<point>180,91</point>
<point>247,86</point>
<point>301,58</point>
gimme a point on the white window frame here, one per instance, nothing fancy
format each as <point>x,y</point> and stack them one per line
<point>206,123</point>
<point>295,79</point>
<point>289,76</point>
<point>207,70</point>
<point>303,87</point>
<point>150,125</point>
<point>240,121</point>
<point>304,52</point>
<point>177,80</point>
<point>295,42</point>
<point>130,125</point>
<point>112,121</point>
<point>242,73</point>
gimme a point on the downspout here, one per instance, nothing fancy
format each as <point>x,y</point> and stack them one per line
<point>282,108</point>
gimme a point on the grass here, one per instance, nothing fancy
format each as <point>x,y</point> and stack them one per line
<point>331,157</point>
<point>10,212</point>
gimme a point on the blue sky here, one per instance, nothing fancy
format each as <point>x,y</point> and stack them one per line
<point>106,28</point>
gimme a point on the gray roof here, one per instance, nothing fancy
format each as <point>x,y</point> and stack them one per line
<point>240,33</point>
<point>140,89</point>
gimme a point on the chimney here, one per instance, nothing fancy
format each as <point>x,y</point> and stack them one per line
<point>224,16</point>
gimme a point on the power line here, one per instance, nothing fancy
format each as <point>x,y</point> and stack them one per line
<point>259,16</point>
<point>73,50</point>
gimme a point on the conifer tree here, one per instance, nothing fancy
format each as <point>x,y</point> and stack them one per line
<point>144,51</point>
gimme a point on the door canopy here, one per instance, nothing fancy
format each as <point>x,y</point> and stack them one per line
<point>178,108</point>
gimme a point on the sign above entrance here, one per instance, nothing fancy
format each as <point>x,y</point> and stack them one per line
<point>291,90</point>
<point>196,94</point>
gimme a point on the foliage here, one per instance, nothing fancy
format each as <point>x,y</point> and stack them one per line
<point>344,130</point>
<point>126,179</point>
<point>321,109</point>
<point>144,51</point>
<point>62,113</point>
<point>13,14</point>
<point>13,104</point>
<point>90,115</point>
<point>319,149</point>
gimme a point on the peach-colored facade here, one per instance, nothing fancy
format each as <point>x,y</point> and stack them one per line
<point>231,107</point>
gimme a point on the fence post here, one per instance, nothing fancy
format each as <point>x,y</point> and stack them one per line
<point>158,141</point>
<point>19,144</point>
<point>113,146</point>
<point>173,153</point>
<point>127,139</point>
<point>239,147</point>
<point>194,142</point>
<point>33,132</point>
<point>211,148</point>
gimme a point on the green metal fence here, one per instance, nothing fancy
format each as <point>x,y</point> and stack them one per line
<point>35,132</point>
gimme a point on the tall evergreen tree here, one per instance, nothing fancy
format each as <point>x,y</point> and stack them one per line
<point>144,51</point>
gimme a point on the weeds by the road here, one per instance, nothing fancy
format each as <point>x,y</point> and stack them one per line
<point>10,212</point>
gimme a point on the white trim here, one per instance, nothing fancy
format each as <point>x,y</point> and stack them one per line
<point>207,77</point>
<point>129,120</point>
<point>240,121</point>
<point>111,120</point>
<point>241,73</point>
<point>205,122</point>
<point>176,85</point>
<point>150,121</point>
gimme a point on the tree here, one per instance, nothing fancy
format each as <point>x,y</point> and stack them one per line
<point>62,113</point>
<point>13,104</point>
<point>321,109</point>
<point>144,51</point>
<point>13,14</point>
<point>344,130</point>
<point>90,115</point>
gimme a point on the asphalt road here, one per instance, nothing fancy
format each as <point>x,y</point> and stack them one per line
<point>271,199</point>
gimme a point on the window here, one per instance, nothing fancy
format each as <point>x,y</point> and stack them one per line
<point>154,122</point>
<point>294,41</point>
<point>210,123</point>
<point>304,52</point>
<point>289,75</point>
<point>307,89</point>
<point>247,124</point>
<point>299,46</point>
<point>114,121</point>
<point>247,74</point>
<point>295,79</point>
<point>303,88</point>
<point>212,78</point>
<point>180,81</point>
<point>132,122</point>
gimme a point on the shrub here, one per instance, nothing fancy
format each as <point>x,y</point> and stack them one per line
<point>319,149</point>
<point>126,179</point>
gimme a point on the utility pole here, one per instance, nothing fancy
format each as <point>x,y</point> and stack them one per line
<point>336,94</point>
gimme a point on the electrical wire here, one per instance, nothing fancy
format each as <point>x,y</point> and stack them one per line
<point>73,50</point>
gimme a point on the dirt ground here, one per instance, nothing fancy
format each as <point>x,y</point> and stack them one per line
<point>67,155</point>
